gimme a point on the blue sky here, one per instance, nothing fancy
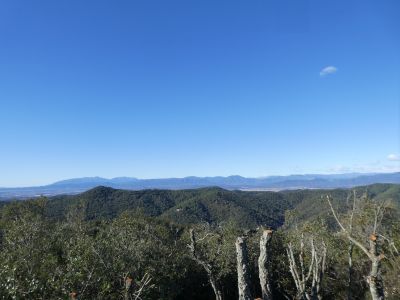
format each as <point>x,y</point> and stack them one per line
<point>177,88</point>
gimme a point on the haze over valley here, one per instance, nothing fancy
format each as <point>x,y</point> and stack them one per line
<point>272,183</point>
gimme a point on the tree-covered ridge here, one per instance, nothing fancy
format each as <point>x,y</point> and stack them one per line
<point>202,244</point>
<point>210,205</point>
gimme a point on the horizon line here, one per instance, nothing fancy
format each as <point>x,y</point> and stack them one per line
<point>194,176</point>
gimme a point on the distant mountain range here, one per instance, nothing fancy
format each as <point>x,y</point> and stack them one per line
<point>310,181</point>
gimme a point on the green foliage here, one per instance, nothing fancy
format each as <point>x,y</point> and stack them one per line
<point>209,205</point>
<point>215,245</point>
<point>41,258</point>
<point>28,257</point>
<point>113,244</point>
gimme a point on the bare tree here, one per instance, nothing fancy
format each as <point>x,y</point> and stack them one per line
<point>307,280</point>
<point>243,270</point>
<point>212,278</point>
<point>263,265</point>
<point>351,248</point>
<point>134,290</point>
<point>374,279</point>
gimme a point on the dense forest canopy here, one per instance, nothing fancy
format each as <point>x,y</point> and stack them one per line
<point>162,244</point>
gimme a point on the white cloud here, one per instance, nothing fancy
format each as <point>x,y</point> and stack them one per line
<point>372,167</point>
<point>328,70</point>
<point>393,157</point>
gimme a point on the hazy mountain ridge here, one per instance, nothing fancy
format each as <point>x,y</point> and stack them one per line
<point>308,181</point>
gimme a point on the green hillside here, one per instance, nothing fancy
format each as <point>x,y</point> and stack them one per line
<point>210,205</point>
<point>92,243</point>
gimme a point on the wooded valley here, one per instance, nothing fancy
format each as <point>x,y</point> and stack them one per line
<point>203,244</point>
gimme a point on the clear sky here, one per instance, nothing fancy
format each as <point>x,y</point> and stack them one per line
<point>175,88</point>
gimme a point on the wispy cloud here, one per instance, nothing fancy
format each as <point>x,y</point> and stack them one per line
<point>327,70</point>
<point>393,157</point>
<point>373,167</point>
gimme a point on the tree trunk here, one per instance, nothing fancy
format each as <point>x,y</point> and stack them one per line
<point>318,270</point>
<point>373,282</point>
<point>263,265</point>
<point>242,270</point>
<point>207,267</point>
<point>350,270</point>
<point>374,279</point>
<point>216,287</point>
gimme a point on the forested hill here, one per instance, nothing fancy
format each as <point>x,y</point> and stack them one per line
<point>211,205</point>
<point>161,244</point>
